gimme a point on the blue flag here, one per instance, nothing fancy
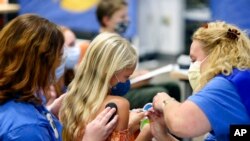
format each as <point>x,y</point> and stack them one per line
<point>79,15</point>
<point>235,12</point>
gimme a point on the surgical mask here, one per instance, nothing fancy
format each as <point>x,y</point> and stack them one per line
<point>120,89</point>
<point>194,74</point>
<point>121,27</point>
<point>61,69</point>
<point>73,55</point>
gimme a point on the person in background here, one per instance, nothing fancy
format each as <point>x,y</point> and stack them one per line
<point>220,77</point>
<point>101,77</point>
<point>72,49</point>
<point>31,51</point>
<point>112,15</point>
<point>65,71</point>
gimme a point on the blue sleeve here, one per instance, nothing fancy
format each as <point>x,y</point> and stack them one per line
<point>29,132</point>
<point>221,104</point>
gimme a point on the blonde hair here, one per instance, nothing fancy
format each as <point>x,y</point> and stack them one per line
<point>107,54</point>
<point>224,52</point>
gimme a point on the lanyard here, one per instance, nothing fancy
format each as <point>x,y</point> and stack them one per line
<point>48,116</point>
<point>52,124</point>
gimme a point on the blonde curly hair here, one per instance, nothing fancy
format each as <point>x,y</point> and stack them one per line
<point>225,49</point>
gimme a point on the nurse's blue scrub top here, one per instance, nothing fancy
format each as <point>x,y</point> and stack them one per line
<point>24,121</point>
<point>222,105</point>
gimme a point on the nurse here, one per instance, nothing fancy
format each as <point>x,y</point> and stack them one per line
<point>31,50</point>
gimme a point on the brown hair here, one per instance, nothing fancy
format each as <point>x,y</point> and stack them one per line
<point>31,49</point>
<point>108,8</point>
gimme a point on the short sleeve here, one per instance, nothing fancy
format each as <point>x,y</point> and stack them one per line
<point>221,104</point>
<point>121,136</point>
<point>29,132</point>
<point>83,46</point>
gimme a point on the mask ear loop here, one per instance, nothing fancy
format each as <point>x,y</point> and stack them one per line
<point>110,86</point>
<point>204,59</point>
<point>200,62</point>
<point>117,78</point>
<point>200,66</point>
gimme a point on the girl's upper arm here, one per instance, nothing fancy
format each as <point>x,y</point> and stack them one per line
<point>122,111</point>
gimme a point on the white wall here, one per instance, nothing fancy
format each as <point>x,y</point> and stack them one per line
<point>161,26</point>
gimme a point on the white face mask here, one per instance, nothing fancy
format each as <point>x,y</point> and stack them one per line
<point>73,55</point>
<point>61,69</point>
<point>194,74</point>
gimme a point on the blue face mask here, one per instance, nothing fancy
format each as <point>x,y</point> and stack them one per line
<point>73,55</point>
<point>61,69</point>
<point>120,89</point>
<point>121,27</point>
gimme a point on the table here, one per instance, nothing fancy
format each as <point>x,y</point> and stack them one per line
<point>9,8</point>
<point>182,75</point>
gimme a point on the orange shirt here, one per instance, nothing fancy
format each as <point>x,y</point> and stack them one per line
<point>124,135</point>
<point>83,46</point>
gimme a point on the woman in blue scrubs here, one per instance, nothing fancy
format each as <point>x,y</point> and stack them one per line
<point>220,78</point>
<point>31,48</point>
